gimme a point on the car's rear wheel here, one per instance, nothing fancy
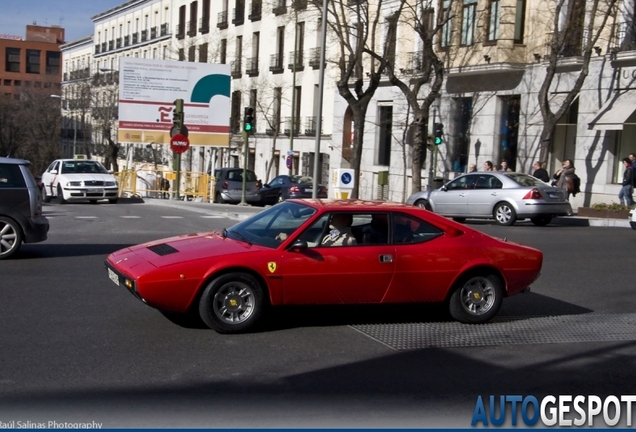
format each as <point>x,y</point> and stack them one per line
<point>217,198</point>
<point>232,303</point>
<point>423,204</point>
<point>541,220</point>
<point>60,195</point>
<point>476,298</point>
<point>505,214</point>
<point>10,237</point>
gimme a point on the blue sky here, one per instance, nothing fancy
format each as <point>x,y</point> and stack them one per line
<point>73,15</point>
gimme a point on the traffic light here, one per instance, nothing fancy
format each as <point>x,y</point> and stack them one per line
<point>248,120</point>
<point>438,129</point>
<point>178,117</point>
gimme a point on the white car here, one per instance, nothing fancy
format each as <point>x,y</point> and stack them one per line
<point>79,179</point>
<point>632,218</point>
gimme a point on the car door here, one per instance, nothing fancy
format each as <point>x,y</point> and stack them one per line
<point>270,192</point>
<point>484,195</point>
<point>320,274</point>
<point>452,199</point>
<point>49,178</point>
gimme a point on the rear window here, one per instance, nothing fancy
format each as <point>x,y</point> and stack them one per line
<point>525,180</point>
<point>237,175</point>
<point>303,180</point>
<point>11,177</point>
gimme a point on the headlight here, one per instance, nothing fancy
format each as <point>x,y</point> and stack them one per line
<point>110,183</point>
<point>74,183</point>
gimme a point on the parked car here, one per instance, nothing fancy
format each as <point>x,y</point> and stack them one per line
<point>505,197</point>
<point>79,179</point>
<point>632,218</point>
<point>285,187</point>
<point>229,186</point>
<point>282,256</point>
<point>21,219</point>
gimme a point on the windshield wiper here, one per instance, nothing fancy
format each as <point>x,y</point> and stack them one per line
<point>241,237</point>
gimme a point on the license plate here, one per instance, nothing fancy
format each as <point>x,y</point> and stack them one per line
<point>113,276</point>
<point>100,191</point>
<point>553,195</point>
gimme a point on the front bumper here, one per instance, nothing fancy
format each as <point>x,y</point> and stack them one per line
<point>91,193</point>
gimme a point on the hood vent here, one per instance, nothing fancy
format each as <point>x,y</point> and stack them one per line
<point>163,249</point>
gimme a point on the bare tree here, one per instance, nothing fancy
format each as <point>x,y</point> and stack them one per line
<point>576,29</point>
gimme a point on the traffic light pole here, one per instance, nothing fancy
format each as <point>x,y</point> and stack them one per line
<point>245,151</point>
<point>431,173</point>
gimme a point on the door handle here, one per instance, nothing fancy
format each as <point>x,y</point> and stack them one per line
<point>385,258</point>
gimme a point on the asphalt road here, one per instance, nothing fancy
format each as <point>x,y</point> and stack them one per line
<point>76,348</point>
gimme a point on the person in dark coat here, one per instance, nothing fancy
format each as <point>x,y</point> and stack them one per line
<point>564,176</point>
<point>540,172</point>
<point>627,188</point>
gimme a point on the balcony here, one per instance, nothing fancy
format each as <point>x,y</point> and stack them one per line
<point>314,58</point>
<point>623,45</point>
<point>255,11</point>
<point>222,22</point>
<point>192,28</point>
<point>276,63</point>
<point>153,32</point>
<point>235,67</point>
<point>164,29</point>
<point>111,45</point>
<point>126,41</point>
<point>252,67</point>
<point>287,128</point>
<point>118,42</point>
<point>97,50</point>
<point>280,7</point>
<point>298,64</point>
<point>204,25</point>
<point>299,4</point>
<point>135,38</point>
<point>238,16</point>
<point>104,47</point>
<point>144,35</point>
<point>311,125</point>
<point>413,63</point>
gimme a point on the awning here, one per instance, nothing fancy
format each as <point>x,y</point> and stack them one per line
<point>615,112</point>
<point>555,101</point>
<point>485,80</point>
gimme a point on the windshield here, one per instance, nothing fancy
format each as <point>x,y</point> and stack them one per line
<point>526,180</point>
<point>83,167</point>
<point>266,228</point>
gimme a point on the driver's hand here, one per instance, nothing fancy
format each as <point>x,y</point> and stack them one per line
<point>281,236</point>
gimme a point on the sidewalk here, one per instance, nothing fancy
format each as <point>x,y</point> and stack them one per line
<point>238,212</point>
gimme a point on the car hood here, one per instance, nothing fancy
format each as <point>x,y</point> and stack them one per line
<point>189,247</point>
<point>88,177</point>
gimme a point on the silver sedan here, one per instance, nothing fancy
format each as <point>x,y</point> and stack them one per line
<point>505,197</point>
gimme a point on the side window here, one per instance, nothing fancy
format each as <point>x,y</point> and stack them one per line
<point>409,230</point>
<point>464,182</point>
<point>52,166</point>
<point>218,174</point>
<point>339,231</point>
<point>484,182</point>
<point>495,183</point>
<point>11,177</point>
<point>314,234</point>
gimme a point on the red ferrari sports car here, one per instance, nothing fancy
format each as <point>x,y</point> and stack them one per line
<point>326,252</point>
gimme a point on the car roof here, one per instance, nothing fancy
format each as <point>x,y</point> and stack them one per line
<point>14,161</point>
<point>354,204</point>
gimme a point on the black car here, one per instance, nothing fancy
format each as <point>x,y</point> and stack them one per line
<point>21,217</point>
<point>285,187</point>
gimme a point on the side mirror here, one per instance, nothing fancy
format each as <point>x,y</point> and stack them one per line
<point>444,188</point>
<point>53,172</point>
<point>299,244</point>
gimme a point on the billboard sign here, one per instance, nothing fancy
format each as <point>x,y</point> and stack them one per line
<point>148,89</point>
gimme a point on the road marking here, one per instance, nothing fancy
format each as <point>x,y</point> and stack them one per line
<point>172,217</point>
<point>86,217</point>
<point>213,217</point>
<point>130,217</point>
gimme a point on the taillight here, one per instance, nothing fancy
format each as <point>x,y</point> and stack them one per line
<point>533,194</point>
<point>294,188</point>
<point>225,185</point>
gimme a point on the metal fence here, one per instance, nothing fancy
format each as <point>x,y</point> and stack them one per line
<point>150,183</point>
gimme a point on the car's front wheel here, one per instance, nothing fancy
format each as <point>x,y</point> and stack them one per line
<point>423,204</point>
<point>232,303</point>
<point>476,298</point>
<point>60,195</point>
<point>505,214</point>
<point>10,237</point>
<point>541,220</point>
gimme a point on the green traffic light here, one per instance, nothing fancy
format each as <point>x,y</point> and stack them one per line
<point>438,140</point>
<point>248,127</point>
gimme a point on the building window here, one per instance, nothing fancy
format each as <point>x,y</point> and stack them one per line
<point>278,100</point>
<point>469,13</point>
<point>235,119</point>
<point>181,54</point>
<point>445,37</point>
<point>223,52</point>
<point>509,138</point>
<point>493,20</point>
<point>385,135</point>
<point>459,149</point>
<point>192,53</point>
<point>53,63</point>
<point>520,21</point>
<point>33,61</point>
<point>12,60</point>
<point>203,53</point>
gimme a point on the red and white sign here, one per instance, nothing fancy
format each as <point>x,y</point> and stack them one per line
<point>179,143</point>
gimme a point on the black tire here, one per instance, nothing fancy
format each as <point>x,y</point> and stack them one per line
<point>541,220</point>
<point>476,298</point>
<point>423,204</point>
<point>232,303</point>
<point>93,201</point>
<point>113,200</point>
<point>459,219</point>
<point>60,195</point>
<point>10,237</point>
<point>504,214</point>
<point>217,198</point>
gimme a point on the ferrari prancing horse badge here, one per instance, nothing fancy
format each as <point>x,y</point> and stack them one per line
<point>271,266</point>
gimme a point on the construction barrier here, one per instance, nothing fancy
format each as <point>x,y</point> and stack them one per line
<point>150,183</point>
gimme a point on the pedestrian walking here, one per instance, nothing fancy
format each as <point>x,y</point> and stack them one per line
<point>540,172</point>
<point>564,177</point>
<point>627,188</point>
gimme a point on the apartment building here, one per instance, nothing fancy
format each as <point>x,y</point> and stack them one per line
<point>31,62</point>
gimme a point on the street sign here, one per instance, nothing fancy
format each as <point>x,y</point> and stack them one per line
<point>179,143</point>
<point>288,162</point>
